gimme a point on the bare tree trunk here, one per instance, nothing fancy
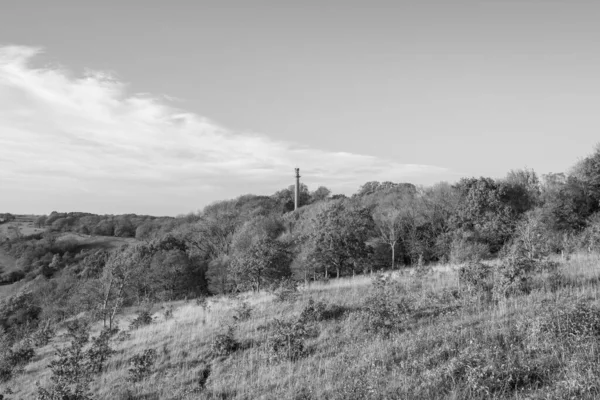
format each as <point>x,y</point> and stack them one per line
<point>117,305</point>
<point>105,303</point>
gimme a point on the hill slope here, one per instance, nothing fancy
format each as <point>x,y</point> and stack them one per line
<point>417,336</point>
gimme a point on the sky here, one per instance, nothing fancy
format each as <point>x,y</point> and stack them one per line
<point>162,107</point>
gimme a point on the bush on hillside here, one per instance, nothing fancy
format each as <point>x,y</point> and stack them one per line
<point>100,351</point>
<point>476,279</point>
<point>242,312</point>
<point>388,309</point>
<point>70,376</point>
<point>285,290</point>
<point>514,276</point>
<point>316,311</point>
<point>463,250</point>
<point>144,318</point>
<point>140,365</point>
<point>43,334</point>
<point>14,358</point>
<point>224,343</point>
<point>286,340</point>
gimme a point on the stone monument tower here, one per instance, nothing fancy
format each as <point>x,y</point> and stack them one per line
<point>297,191</point>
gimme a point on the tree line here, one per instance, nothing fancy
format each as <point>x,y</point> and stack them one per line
<point>253,242</point>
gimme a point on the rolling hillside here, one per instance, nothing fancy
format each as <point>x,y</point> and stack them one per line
<point>417,335</point>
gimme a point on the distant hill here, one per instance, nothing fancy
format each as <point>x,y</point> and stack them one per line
<point>21,225</point>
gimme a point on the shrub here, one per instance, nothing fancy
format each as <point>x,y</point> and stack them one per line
<point>12,360</point>
<point>203,376</point>
<point>70,377</point>
<point>463,250</point>
<point>514,277</point>
<point>476,278</point>
<point>123,336</point>
<point>242,312</point>
<point>422,269</point>
<point>144,318</point>
<point>285,290</point>
<point>556,280</point>
<point>316,311</point>
<point>168,313</point>
<point>140,365</point>
<point>225,343</point>
<point>99,352</point>
<point>43,334</point>
<point>388,309</point>
<point>202,301</point>
<point>21,354</point>
<point>487,375</point>
<point>286,340</point>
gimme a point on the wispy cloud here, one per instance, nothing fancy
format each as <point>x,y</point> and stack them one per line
<point>85,139</point>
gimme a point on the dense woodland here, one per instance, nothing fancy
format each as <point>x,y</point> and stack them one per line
<point>260,243</point>
<point>252,241</point>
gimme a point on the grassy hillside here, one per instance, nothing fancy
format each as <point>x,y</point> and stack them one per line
<point>79,241</point>
<point>7,263</point>
<point>23,225</point>
<point>417,336</point>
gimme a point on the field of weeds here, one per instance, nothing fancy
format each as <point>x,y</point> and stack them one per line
<point>412,335</point>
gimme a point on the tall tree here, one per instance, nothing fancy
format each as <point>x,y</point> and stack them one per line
<point>389,225</point>
<point>264,262</point>
<point>120,271</point>
<point>320,194</point>
<point>483,212</point>
<point>340,237</point>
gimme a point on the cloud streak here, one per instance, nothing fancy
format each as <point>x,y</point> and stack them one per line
<point>84,142</point>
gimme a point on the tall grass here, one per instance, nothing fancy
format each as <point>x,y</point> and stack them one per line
<point>540,345</point>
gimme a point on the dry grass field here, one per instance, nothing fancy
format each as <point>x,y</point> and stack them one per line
<point>542,345</point>
<point>23,225</point>
<point>8,263</point>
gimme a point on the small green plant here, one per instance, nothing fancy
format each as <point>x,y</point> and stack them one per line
<point>202,301</point>
<point>168,313</point>
<point>422,269</point>
<point>43,334</point>
<point>122,336</point>
<point>14,358</point>
<point>144,318</point>
<point>242,312</point>
<point>316,311</point>
<point>388,309</point>
<point>476,279</point>
<point>514,277</point>
<point>286,340</point>
<point>225,343</point>
<point>73,370</point>
<point>140,365</point>
<point>70,376</point>
<point>203,376</point>
<point>285,290</point>
<point>100,351</point>
<point>463,250</point>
